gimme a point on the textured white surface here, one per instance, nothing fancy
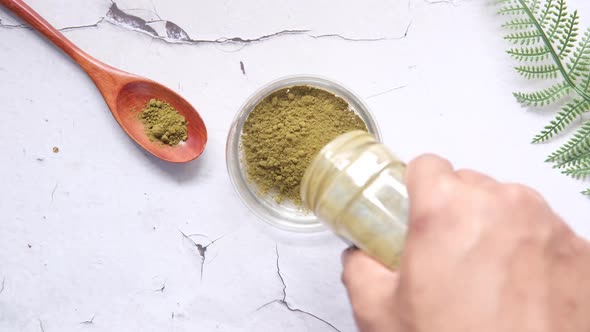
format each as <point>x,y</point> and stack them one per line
<point>93,231</point>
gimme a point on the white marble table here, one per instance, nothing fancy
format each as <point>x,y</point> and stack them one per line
<point>90,236</point>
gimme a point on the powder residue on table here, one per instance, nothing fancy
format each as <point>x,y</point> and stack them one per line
<point>163,123</point>
<point>286,130</point>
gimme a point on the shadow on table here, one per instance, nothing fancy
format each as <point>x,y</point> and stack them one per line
<point>181,172</point>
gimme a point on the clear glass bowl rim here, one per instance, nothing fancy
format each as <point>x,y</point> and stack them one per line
<point>258,206</point>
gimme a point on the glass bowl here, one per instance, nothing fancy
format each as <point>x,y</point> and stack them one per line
<point>284,215</point>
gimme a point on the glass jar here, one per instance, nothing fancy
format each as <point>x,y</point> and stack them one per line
<point>355,186</point>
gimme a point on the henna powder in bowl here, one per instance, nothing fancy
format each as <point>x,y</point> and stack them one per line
<point>275,136</point>
<point>286,130</point>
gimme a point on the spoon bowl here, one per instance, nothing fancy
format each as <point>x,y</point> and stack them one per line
<point>130,101</point>
<point>125,94</point>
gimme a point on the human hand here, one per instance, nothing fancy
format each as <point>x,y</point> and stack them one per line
<point>480,256</point>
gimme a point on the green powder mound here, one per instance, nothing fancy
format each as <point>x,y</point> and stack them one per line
<point>163,123</point>
<point>286,130</point>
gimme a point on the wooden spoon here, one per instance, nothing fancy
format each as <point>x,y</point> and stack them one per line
<point>125,93</point>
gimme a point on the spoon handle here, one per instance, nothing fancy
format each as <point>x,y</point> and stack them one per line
<point>37,22</point>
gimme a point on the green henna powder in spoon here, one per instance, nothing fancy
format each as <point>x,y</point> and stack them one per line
<point>286,130</point>
<point>163,123</point>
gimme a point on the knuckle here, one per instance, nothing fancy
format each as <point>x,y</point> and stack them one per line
<point>517,194</point>
<point>443,186</point>
<point>443,190</point>
<point>473,177</point>
<point>526,210</point>
<point>424,158</point>
<point>466,171</point>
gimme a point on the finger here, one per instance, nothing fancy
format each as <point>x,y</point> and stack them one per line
<point>371,289</point>
<point>518,191</point>
<point>428,180</point>
<point>423,169</point>
<point>432,187</point>
<point>473,178</point>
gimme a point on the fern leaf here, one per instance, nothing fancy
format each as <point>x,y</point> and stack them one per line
<point>535,5</point>
<point>576,161</point>
<point>540,71</point>
<point>580,60</point>
<point>545,13</point>
<point>534,54</point>
<point>578,145</point>
<point>544,97</point>
<point>550,39</point>
<point>570,32</point>
<point>524,37</point>
<point>557,20</point>
<point>565,117</point>
<point>511,9</point>
<point>586,192</point>
<point>518,24</point>
<point>580,171</point>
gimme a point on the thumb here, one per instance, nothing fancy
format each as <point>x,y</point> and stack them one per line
<point>371,289</point>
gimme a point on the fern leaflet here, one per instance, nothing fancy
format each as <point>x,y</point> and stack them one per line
<point>580,171</point>
<point>540,71</point>
<point>518,23</point>
<point>566,116</point>
<point>577,146</point>
<point>529,37</point>
<point>579,64</point>
<point>544,97</point>
<point>533,54</point>
<point>547,8</point>
<point>557,22</point>
<point>574,162</point>
<point>511,10</point>
<point>566,42</point>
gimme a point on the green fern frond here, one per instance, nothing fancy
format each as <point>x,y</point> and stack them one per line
<point>557,20</point>
<point>540,71</point>
<point>579,64</point>
<point>580,171</point>
<point>563,119</point>
<point>550,38</point>
<point>544,97</point>
<point>570,32</point>
<point>530,37</point>
<point>533,54</point>
<point>577,146</point>
<point>586,192</point>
